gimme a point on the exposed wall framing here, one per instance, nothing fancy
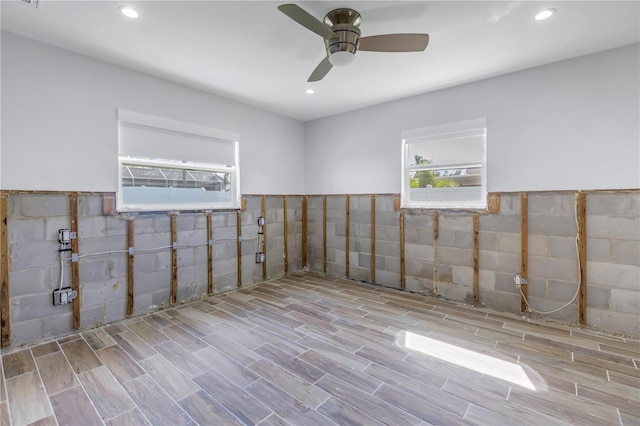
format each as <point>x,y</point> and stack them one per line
<point>5,318</point>
<point>285,233</point>
<point>174,260</point>
<point>263,248</point>
<point>209,218</point>
<point>130,266</point>
<point>373,238</point>
<point>581,206</point>
<point>324,233</point>
<point>304,233</point>
<point>75,271</point>
<point>476,258</point>
<point>239,244</point>
<point>524,244</point>
<point>403,281</point>
<point>347,232</point>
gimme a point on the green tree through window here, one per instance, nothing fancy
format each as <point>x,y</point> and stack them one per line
<point>427,178</point>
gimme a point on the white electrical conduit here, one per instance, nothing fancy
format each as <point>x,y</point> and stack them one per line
<point>151,250</point>
<point>579,265</point>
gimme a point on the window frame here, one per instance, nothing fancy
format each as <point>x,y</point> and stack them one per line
<point>158,123</point>
<point>448,131</point>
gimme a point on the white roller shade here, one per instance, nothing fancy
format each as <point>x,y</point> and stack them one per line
<point>146,136</point>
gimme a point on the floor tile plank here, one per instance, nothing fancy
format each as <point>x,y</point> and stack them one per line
<point>207,411</point>
<point>154,403</point>
<point>80,356</point>
<point>72,407</point>
<point>119,363</point>
<point>56,373</point>
<point>27,398</point>
<point>107,395</point>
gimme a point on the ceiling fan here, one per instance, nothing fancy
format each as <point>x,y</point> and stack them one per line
<point>342,40</point>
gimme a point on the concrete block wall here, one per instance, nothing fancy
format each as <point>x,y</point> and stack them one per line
<point>33,222</point>
<point>613,261</point>
<point>444,267</point>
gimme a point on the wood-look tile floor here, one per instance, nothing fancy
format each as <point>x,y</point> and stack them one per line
<point>308,349</point>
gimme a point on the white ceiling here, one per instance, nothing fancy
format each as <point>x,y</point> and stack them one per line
<point>251,52</point>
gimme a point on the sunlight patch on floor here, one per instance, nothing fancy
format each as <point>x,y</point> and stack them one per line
<point>481,363</point>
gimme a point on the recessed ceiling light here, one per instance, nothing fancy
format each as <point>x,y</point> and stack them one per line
<point>309,91</point>
<point>129,12</point>
<point>544,14</point>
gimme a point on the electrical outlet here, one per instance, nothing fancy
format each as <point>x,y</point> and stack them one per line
<point>259,257</point>
<point>261,221</point>
<point>62,296</point>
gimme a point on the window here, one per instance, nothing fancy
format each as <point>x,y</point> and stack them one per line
<point>171,165</point>
<point>444,166</point>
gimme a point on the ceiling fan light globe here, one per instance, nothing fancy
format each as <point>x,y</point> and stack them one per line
<point>341,58</point>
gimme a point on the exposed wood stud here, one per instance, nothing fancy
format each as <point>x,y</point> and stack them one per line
<point>108,204</point>
<point>285,233</point>
<point>130,266</point>
<point>402,243</point>
<point>239,245</point>
<point>476,257</point>
<point>243,204</point>
<point>304,232</point>
<point>581,200</point>
<point>75,272</point>
<point>174,260</point>
<point>347,232</point>
<point>209,218</point>
<point>436,225</point>
<point>524,234</point>
<point>493,202</point>
<point>5,317</point>
<point>324,233</point>
<point>397,202</point>
<point>373,238</point>
<point>263,248</point>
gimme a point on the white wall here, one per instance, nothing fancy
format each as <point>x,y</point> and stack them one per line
<point>59,127</point>
<point>569,125</point>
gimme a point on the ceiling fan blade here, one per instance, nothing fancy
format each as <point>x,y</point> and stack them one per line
<point>321,70</point>
<point>307,20</point>
<point>395,43</point>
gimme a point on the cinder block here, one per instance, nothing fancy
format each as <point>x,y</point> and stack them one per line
<point>566,314</point>
<point>560,226</point>
<point>418,219</point>
<point>599,249</point>
<point>598,297</point>
<point>604,319</point>
<point>508,243</point>
<point>551,204</point>
<point>37,205</point>
<point>26,230</point>
<point>89,205</point>
<point>446,238</point>
<point>487,241</point>
<point>34,281</point>
<point>626,252</point>
<point>455,256</point>
<point>504,283</point>
<point>443,274</point>
<point>33,306</point>
<point>149,283</point>
<point>388,218</point>
<point>554,268</point>
<point>388,279</point>
<point>336,202</point>
<point>385,203</point>
<point>564,247</point>
<point>462,275</point>
<point>464,239</point>
<point>613,275</point>
<point>53,224</point>
<point>500,223</point>
<point>456,222</point>
<point>625,301</point>
<point>93,270</point>
<point>116,226</point>
<point>510,204</point>
<point>561,291</point>
<point>537,287</point>
<point>185,222</point>
<point>30,332</point>
<point>614,227</point>
<point>499,262</point>
<point>416,285</point>
<point>426,270</point>
<point>33,255</point>
<point>537,244</point>
<point>152,241</point>
<point>388,248</point>
<point>619,204</point>
<point>89,246</point>
<point>419,252</point>
<point>454,292</point>
<point>500,301</point>
<point>487,280</point>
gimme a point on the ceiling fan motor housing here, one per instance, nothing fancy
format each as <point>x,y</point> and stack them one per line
<point>344,23</point>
